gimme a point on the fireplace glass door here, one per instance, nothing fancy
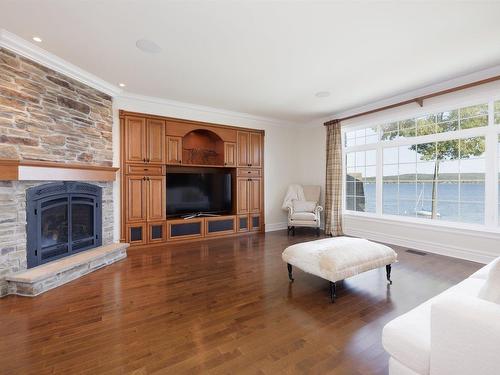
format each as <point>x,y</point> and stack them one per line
<point>63,219</point>
<point>54,228</point>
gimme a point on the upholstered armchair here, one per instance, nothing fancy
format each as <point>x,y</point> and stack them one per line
<point>306,212</point>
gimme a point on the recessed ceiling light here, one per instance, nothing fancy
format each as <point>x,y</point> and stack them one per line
<point>37,39</point>
<point>322,94</point>
<point>122,85</point>
<point>148,46</point>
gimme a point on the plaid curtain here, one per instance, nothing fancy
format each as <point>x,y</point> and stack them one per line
<point>333,195</point>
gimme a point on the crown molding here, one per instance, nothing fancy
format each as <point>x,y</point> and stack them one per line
<point>232,116</point>
<point>422,91</point>
<point>33,52</point>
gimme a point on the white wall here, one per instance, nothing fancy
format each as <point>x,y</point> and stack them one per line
<point>278,147</point>
<point>480,245</point>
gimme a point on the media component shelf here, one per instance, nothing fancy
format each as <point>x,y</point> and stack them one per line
<point>173,168</point>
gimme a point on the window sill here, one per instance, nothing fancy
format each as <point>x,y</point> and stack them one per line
<point>442,226</point>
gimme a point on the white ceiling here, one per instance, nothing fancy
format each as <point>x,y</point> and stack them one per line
<point>266,58</point>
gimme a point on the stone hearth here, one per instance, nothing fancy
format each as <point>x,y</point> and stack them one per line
<point>40,279</point>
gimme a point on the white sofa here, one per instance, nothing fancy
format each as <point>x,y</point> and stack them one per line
<point>454,333</point>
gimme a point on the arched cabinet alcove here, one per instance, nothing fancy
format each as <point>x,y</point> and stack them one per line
<point>202,147</point>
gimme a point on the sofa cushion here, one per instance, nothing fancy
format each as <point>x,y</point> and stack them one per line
<point>303,216</point>
<point>491,288</point>
<point>303,206</point>
<point>483,272</point>
<point>408,337</point>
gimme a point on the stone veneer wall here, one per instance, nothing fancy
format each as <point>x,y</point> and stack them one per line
<point>45,115</point>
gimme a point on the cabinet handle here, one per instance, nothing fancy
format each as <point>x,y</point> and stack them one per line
<point>146,169</point>
<point>180,161</point>
<point>144,178</point>
<point>249,172</point>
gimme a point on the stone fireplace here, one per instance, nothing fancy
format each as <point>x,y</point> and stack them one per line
<point>47,117</point>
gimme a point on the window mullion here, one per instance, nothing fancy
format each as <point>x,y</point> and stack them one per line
<point>379,175</point>
<point>491,164</point>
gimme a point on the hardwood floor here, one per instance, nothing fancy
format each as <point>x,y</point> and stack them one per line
<point>220,306</point>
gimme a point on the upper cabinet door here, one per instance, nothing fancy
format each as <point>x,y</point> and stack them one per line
<point>135,140</point>
<point>155,141</point>
<point>174,150</point>
<point>243,143</point>
<point>229,154</point>
<point>255,150</point>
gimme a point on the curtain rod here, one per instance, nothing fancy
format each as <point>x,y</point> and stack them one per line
<point>419,100</point>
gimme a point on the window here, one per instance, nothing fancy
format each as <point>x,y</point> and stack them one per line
<point>361,137</point>
<point>360,180</point>
<point>436,180</point>
<point>432,167</point>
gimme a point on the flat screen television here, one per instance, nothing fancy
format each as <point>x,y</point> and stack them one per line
<point>205,192</point>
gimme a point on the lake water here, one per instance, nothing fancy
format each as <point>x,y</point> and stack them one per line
<point>456,202</point>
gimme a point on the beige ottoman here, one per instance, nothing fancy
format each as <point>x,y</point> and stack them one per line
<point>338,258</point>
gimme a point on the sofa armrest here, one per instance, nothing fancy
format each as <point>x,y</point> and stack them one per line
<point>318,209</point>
<point>465,336</point>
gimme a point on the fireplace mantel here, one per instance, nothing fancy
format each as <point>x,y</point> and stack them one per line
<point>32,170</point>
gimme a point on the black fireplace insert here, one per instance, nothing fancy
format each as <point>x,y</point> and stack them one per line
<point>63,218</point>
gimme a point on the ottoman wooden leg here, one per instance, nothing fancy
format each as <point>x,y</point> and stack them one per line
<point>388,272</point>
<point>333,294</point>
<point>289,266</point>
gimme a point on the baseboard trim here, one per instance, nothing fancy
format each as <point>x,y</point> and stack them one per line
<point>428,246</point>
<point>275,226</point>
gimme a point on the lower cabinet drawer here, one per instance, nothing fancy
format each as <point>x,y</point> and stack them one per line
<point>255,222</point>
<point>250,172</point>
<point>243,224</point>
<point>144,169</point>
<point>183,229</point>
<point>137,234</point>
<point>216,226</point>
<point>157,232</point>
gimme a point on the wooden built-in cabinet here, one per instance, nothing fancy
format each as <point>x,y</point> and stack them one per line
<point>230,154</point>
<point>144,140</point>
<point>145,198</point>
<point>174,150</point>
<point>249,195</point>
<point>249,149</point>
<point>153,145</point>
